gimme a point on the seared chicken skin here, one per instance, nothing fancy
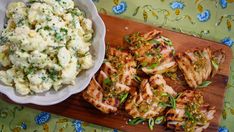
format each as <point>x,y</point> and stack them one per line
<point>153,52</point>
<point>198,65</point>
<point>191,113</point>
<point>112,84</point>
<point>147,103</point>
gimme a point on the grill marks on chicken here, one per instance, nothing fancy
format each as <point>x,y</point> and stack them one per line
<point>150,95</point>
<point>113,81</point>
<point>153,52</point>
<point>146,103</point>
<point>94,95</point>
<point>191,113</point>
<point>197,65</point>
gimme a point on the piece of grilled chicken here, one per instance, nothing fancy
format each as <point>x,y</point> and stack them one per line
<point>153,52</point>
<point>198,65</point>
<point>148,102</point>
<point>113,82</point>
<point>191,113</point>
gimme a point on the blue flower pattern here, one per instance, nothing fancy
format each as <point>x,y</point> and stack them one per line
<point>228,41</point>
<point>223,129</point>
<point>42,118</point>
<point>223,3</point>
<point>23,125</point>
<point>204,16</point>
<point>78,125</point>
<point>120,8</point>
<point>177,5</point>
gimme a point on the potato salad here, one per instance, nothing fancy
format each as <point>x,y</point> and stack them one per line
<point>44,45</point>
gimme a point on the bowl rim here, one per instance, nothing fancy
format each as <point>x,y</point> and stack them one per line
<point>30,99</point>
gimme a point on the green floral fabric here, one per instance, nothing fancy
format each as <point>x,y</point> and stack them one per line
<point>208,19</point>
<point>16,118</point>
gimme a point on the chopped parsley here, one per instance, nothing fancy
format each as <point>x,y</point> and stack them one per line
<point>53,74</point>
<point>75,12</point>
<point>3,40</point>
<point>107,81</point>
<point>152,66</point>
<point>29,70</point>
<point>47,28</point>
<point>63,30</point>
<point>43,78</point>
<point>20,22</point>
<point>58,36</point>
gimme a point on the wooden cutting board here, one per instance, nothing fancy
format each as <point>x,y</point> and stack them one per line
<point>76,107</point>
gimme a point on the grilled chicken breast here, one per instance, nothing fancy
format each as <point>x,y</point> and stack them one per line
<point>196,65</point>
<point>153,52</point>
<point>113,82</point>
<point>147,103</point>
<point>191,113</point>
<point>218,58</point>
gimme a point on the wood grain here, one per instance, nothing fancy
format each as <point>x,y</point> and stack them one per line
<point>76,107</point>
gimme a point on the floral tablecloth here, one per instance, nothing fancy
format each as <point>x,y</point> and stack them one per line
<point>208,19</point>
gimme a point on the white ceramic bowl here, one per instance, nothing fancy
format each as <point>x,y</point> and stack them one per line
<point>98,49</point>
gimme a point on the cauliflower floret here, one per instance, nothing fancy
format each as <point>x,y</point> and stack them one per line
<point>7,77</point>
<point>27,39</point>
<point>67,4</point>
<point>16,8</point>
<point>60,6</point>
<point>69,73</point>
<point>64,57</point>
<point>4,58</point>
<point>47,36</point>
<point>86,61</point>
<point>37,78</point>
<point>45,86</point>
<point>55,23</point>
<point>38,59</point>
<point>87,24</point>
<point>4,78</point>
<point>39,12</point>
<point>54,66</point>
<point>19,59</point>
<point>39,82</point>
<point>22,86</point>
<point>57,85</point>
<point>68,18</point>
<point>76,24</point>
<point>78,45</point>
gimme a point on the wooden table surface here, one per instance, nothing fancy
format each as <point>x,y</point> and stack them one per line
<point>76,107</point>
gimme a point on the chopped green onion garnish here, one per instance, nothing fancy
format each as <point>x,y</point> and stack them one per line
<point>151,123</point>
<point>215,64</point>
<point>136,121</point>
<point>123,97</point>
<point>159,120</point>
<point>204,84</point>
